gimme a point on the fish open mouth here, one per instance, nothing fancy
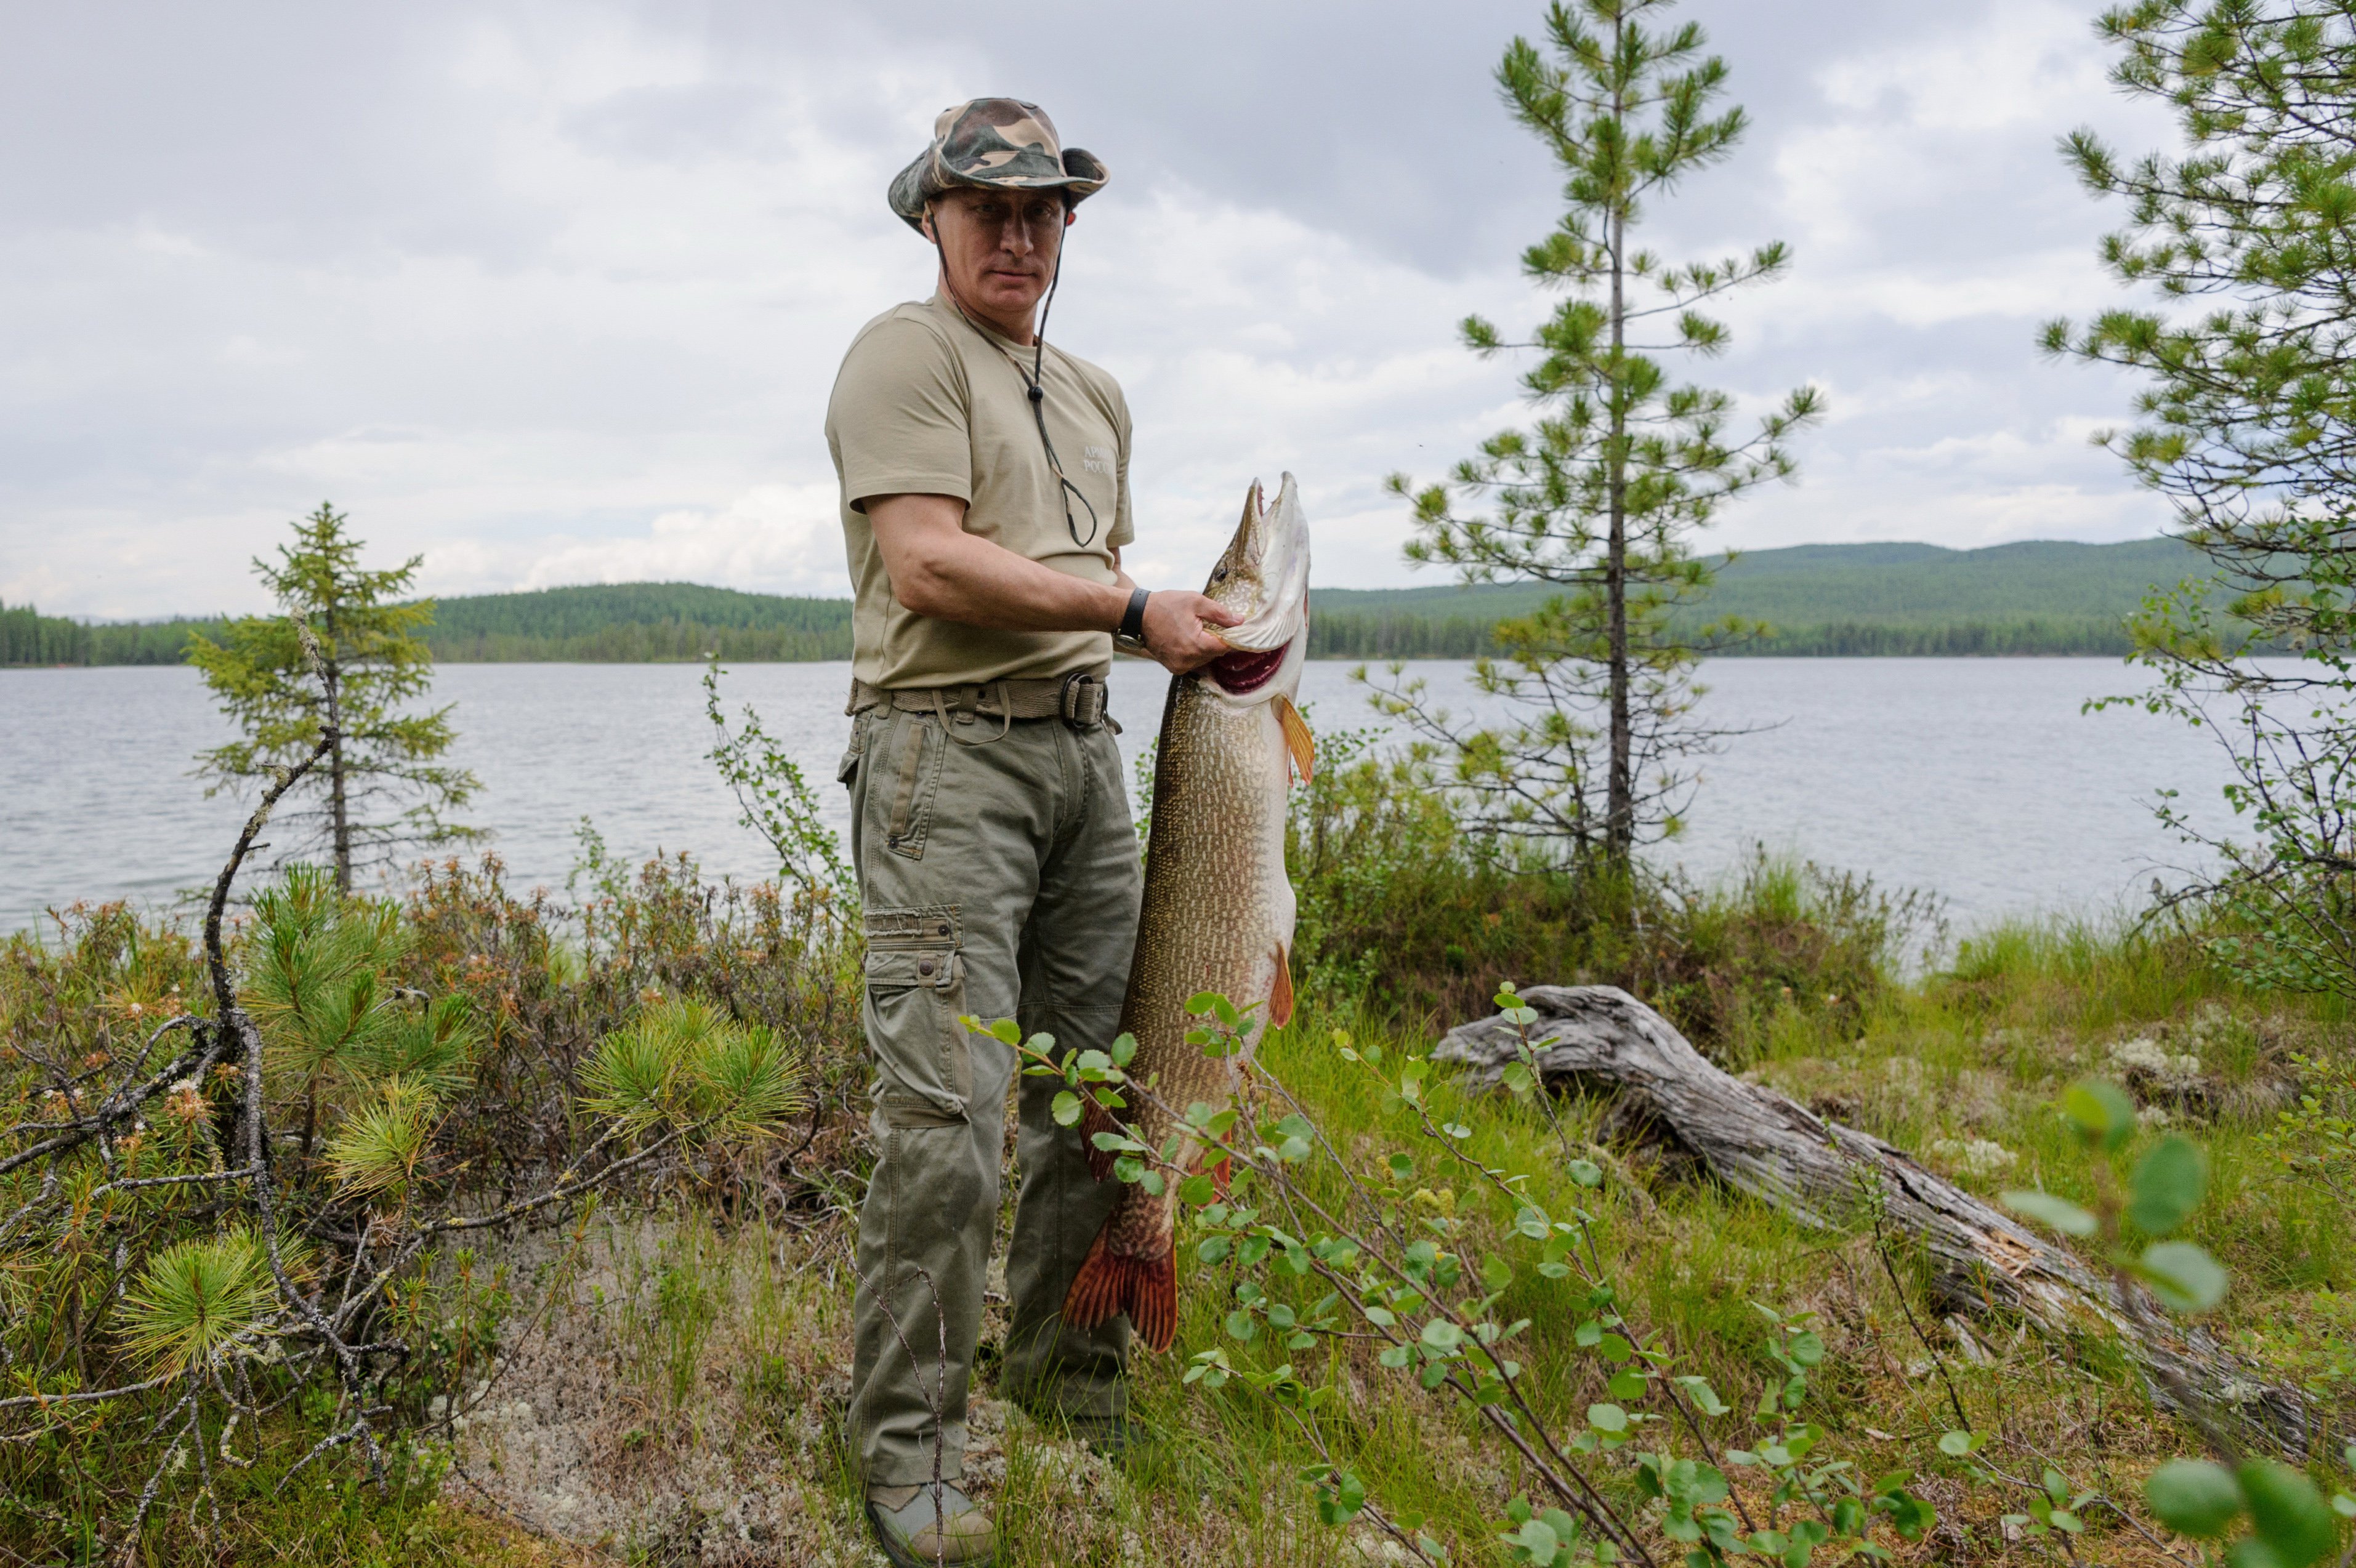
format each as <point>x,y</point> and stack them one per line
<point>1247,669</point>
<point>1272,544</point>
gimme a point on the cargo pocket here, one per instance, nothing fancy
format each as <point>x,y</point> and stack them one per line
<point>915,994</point>
<point>916,779</point>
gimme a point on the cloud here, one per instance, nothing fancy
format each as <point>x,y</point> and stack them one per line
<point>780,539</point>
<point>554,294</point>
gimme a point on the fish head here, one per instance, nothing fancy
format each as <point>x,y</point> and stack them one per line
<point>1263,575</point>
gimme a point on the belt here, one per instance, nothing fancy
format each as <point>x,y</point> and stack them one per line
<point>1078,699</point>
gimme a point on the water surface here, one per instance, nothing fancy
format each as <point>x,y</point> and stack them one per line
<point>1978,778</point>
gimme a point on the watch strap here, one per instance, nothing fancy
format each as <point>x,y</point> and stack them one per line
<point>1132,620</point>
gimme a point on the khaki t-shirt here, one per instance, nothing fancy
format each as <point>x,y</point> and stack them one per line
<point>927,403</point>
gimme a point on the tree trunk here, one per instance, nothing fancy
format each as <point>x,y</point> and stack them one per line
<point>331,677</point>
<point>1620,804</point>
<point>1824,1175</point>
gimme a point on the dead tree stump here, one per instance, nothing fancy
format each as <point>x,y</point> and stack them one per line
<point>1599,1039</point>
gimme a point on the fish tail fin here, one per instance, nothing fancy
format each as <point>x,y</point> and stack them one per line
<point>1145,1289</point>
<point>1279,999</point>
<point>1297,739</point>
<point>1095,1119</point>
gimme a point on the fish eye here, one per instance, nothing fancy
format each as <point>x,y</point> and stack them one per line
<point>1218,574</point>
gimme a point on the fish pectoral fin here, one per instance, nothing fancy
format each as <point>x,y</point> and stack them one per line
<point>1279,999</point>
<point>1297,739</point>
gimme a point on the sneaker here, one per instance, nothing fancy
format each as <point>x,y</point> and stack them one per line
<point>901,1518</point>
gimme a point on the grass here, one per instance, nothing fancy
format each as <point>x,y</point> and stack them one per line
<point>1977,1052</point>
<point>667,1376</point>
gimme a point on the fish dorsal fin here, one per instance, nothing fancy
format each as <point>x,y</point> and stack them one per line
<point>1279,1000</point>
<point>1297,739</point>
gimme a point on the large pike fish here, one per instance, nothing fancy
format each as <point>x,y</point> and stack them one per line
<point>1218,906</point>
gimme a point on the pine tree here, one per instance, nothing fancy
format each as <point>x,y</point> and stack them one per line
<point>1603,495</point>
<point>379,787</point>
<point>2249,429</point>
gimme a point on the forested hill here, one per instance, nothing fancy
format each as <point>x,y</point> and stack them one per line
<point>1911,598</point>
<point>634,622</point>
<point>2035,597</point>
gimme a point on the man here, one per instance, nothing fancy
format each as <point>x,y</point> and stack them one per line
<point>985,503</point>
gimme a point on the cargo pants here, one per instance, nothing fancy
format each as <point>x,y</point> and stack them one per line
<point>997,863</point>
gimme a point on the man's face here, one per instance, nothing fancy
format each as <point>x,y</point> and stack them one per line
<point>999,246</point>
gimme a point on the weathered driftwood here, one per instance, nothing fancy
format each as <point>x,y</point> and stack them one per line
<point>1598,1037</point>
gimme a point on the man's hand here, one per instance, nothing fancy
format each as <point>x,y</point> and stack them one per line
<point>938,570</point>
<point>1174,629</point>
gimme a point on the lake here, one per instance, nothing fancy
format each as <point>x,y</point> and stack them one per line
<point>1979,779</point>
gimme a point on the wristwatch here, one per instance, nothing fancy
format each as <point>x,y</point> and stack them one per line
<point>1130,634</point>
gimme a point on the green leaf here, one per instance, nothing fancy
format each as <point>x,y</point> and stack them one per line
<point>1340,1498</point>
<point>2193,1497</point>
<point>1705,1397</point>
<point>1124,1048</point>
<point>1538,1540</point>
<point>2251,1552</point>
<point>1496,1272</point>
<point>2059,1212</point>
<point>2291,1515</point>
<point>1956,1445</point>
<point>2101,1110</point>
<point>1443,1335</point>
<point>1586,1172</point>
<point>2182,1275</point>
<point>1607,1418</point>
<point>1066,1109</point>
<point>2168,1185</point>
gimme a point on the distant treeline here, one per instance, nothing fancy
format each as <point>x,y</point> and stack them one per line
<point>1829,600</point>
<point>1346,634</point>
<point>638,622</point>
<point>29,637</point>
<point>667,642</point>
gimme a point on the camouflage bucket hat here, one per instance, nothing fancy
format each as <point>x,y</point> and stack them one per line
<point>994,144</point>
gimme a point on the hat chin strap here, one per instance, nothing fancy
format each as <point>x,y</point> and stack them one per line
<point>1031,378</point>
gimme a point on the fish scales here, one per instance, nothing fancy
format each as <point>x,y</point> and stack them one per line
<point>1219,909</point>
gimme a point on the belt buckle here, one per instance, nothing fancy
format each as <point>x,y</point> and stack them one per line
<point>1082,701</point>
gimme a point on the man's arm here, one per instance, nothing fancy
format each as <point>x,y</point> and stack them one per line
<point>940,571</point>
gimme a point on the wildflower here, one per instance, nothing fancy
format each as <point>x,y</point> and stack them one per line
<point>186,1103</point>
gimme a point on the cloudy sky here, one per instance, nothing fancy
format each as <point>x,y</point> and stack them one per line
<point>554,294</point>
